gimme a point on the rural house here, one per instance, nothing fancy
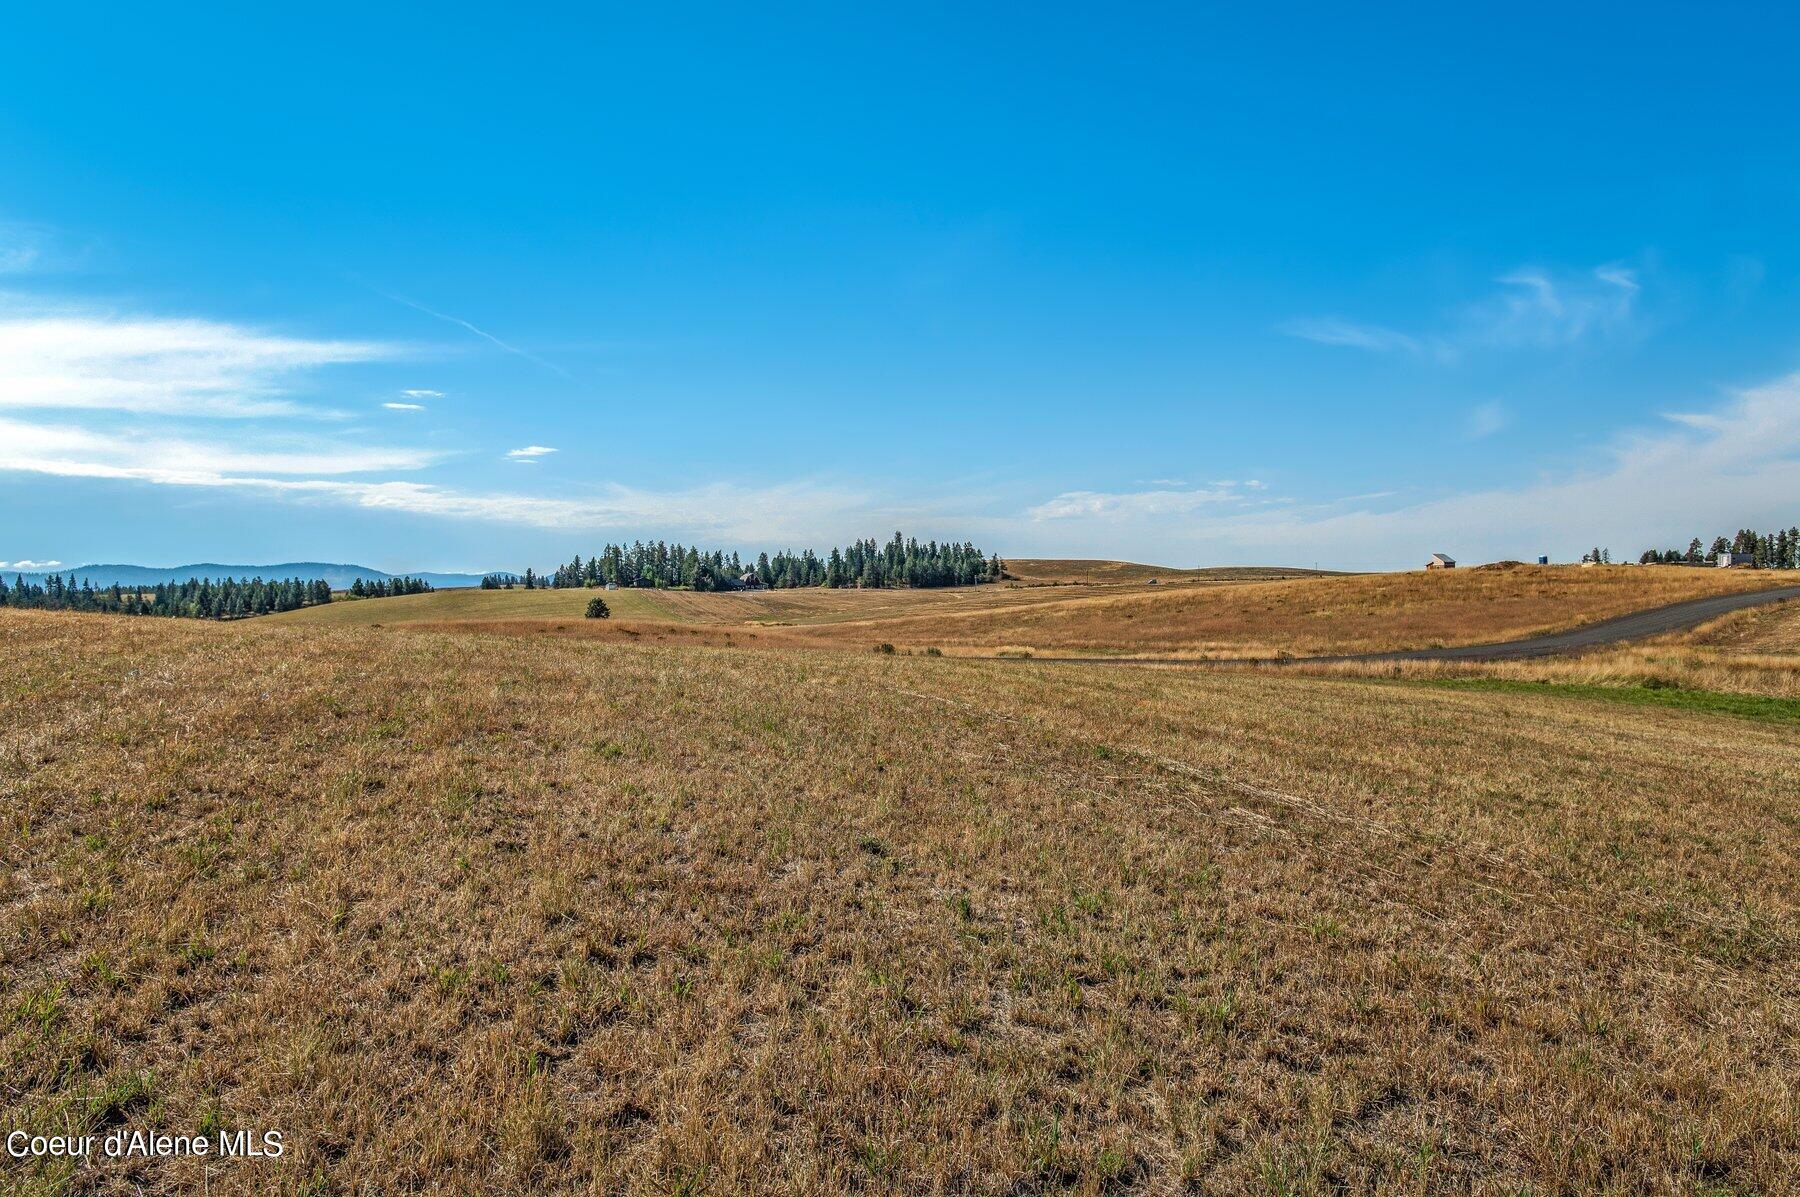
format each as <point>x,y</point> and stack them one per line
<point>1441,561</point>
<point>1737,560</point>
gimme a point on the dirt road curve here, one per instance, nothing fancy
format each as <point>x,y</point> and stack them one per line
<point>1636,626</point>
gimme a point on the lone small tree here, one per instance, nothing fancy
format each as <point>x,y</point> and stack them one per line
<point>597,609</point>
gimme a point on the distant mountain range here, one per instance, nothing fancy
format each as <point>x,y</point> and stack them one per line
<point>340,576</point>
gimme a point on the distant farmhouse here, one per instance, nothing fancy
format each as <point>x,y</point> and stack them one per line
<point>1441,561</point>
<point>1737,560</point>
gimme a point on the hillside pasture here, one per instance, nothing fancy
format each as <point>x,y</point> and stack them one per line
<point>772,608</point>
<point>1308,616</point>
<point>1754,652</point>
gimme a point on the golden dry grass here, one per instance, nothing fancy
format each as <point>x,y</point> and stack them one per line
<point>479,913</point>
<point>1767,631</point>
<point>724,609</point>
<point>1196,618</point>
<point>1747,652</point>
<point>1308,616</point>
<point>481,606</point>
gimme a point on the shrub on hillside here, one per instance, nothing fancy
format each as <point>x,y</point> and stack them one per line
<point>597,609</point>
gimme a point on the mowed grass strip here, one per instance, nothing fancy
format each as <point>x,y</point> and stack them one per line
<point>488,913</point>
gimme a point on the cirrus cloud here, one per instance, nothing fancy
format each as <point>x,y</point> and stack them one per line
<point>1534,308</point>
<point>84,360</point>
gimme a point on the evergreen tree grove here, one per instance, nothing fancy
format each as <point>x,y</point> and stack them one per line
<point>196,598</point>
<point>899,562</point>
<point>1766,550</point>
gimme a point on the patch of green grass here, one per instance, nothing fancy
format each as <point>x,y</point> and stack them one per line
<point>1714,702</point>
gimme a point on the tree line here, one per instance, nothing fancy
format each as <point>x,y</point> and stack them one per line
<point>865,564</point>
<point>196,598</point>
<point>1766,550</point>
<point>388,587</point>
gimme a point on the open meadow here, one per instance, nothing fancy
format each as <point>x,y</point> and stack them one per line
<point>463,909</point>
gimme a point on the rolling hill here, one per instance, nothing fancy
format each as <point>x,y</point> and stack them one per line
<point>1204,616</point>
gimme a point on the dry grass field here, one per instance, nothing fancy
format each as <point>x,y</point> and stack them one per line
<point>1771,630</point>
<point>465,606</point>
<point>481,913</point>
<point>774,608</point>
<point>1308,616</point>
<point>1218,615</point>
<point>1755,652</point>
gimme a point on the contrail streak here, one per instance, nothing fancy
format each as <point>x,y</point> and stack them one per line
<point>461,323</point>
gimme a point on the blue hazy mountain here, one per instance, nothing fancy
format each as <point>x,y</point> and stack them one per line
<point>340,576</point>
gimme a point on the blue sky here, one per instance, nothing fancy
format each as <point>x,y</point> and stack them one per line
<point>438,288</point>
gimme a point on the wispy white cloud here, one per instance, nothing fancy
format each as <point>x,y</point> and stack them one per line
<point>1333,330</point>
<point>323,472</point>
<point>89,394</point>
<point>85,360</point>
<point>77,452</point>
<point>1533,308</point>
<point>1128,505</point>
<point>1486,419</point>
<point>1692,474</point>
<point>795,510</point>
<point>23,247</point>
<point>1536,309</point>
<point>29,566</point>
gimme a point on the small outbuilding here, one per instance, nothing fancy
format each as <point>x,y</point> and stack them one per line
<point>1441,561</point>
<point>1737,561</point>
<point>750,581</point>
